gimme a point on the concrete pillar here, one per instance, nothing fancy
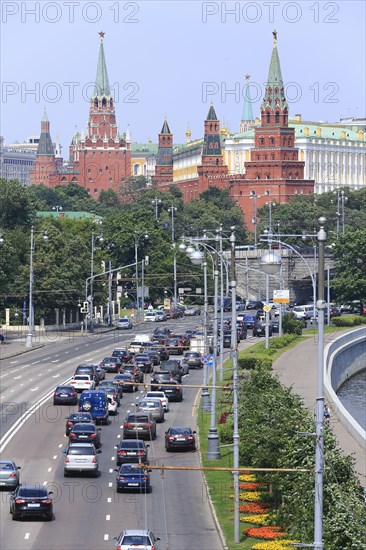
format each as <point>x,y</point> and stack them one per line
<point>7,316</point>
<point>64,318</point>
<point>57,312</point>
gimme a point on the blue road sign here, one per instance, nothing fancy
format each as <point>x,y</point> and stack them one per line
<point>205,359</point>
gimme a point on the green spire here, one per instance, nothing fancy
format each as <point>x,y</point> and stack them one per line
<point>247,113</point>
<point>211,113</point>
<point>101,80</point>
<point>165,129</point>
<point>275,93</point>
<point>45,117</point>
<point>45,145</point>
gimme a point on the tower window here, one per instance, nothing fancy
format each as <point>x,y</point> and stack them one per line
<point>262,141</point>
<point>106,167</point>
<point>111,103</point>
<point>272,157</point>
<point>272,141</point>
<point>95,190</point>
<point>268,118</point>
<point>277,117</point>
<point>104,104</point>
<point>96,103</point>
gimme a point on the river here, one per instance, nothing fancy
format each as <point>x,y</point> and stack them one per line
<point>352,395</point>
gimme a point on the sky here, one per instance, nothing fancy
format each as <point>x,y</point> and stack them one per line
<point>172,58</point>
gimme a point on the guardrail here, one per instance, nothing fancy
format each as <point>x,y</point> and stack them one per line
<point>343,358</point>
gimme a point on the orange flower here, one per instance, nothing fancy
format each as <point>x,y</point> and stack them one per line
<point>268,533</point>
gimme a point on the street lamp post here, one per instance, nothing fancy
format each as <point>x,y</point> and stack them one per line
<point>29,340</point>
<point>319,444</point>
<point>254,196</point>
<point>137,239</point>
<point>270,264</point>
<point>172,209</point>
<point>100,239</point>
<point>156,202</point>
<point>57,208</point>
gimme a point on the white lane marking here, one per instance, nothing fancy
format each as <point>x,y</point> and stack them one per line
<point>17,377</point>
<point>34,389</point>
<point>54,457</point>
<point>3,376</point>
<point>49,470</point>
<point>44,483</point>
<point>110,484</point>
<point>113,457</point>
<point>2,397</point>
<point>55,361</point>
<point>109,499</point>
<point>66,352</point>
<point>118,436</point>
<point>76,349</point>
<point>60,446</point>
<point>20,385</point>
<point>106,536</point>
<point>26,536</point>
<point>35,362</point>
<point>56,375</point>
<point>41,374</point>
<point>46,358</point>
<point>108,517</point>
<point>49,370</point>
<point>56,354</point>
<point>111,470</point>
<point>13,362</point>
<point>11,391</point>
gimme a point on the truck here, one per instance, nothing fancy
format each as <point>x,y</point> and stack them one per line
<point>96,403</point>
<point>197,344</point>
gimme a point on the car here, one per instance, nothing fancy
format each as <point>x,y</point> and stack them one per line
<point>158,395</point>
<point>90,369</point>
<point>139,425</point>
<point>184,368</point>
<point>158,377</point>
<point>259,329</point>
<point>183,340</point>
<point>131,476</point>
<point>192,311</point>
<point>160,316</point>
<point>112,404</point>
<point>85,432</point>
<point>96,403</point>
<point>132,450</point>
<point>275,324</point>
<point>144,364</point>
<point>193,359</point>
<point>82,382</point>
<point>135,370</point>
<point>336,311</point>
<point>65,395</point>
<point>154,356</point>
<point>31,500</point>
<point>239,306</point>
<point>242,328</point>
<point>174,367</point>
<point>164,331</point>
<point>123,354</point>
<point>254,304</point>
<point>124,323</point>
<point>152,406</point>
<point>226,339</point>
<point>111,364</point>
<point>100,372</point>
<point>81,458</point>
<point>160,348</point>
<point>150,316</point>
<point>137,539</point>
<point>113,389</point>
<point>74,418</point>
<point>172,390</point>
<point>261,315</point>
<point>9,474</point>
<point>126,381</point>
<point>173,345</point>
<point>178,437</point>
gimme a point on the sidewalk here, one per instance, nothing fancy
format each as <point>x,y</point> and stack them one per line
<point>297,368</point>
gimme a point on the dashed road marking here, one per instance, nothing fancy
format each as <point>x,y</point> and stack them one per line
<point>35,362</point>
<point>109,499</point>
<point>110,484</point>
<point>49,470</point>
<point>55,360</point>
<point>13,362</point>
<point>17,377</point>
<point>106,536</point>
<point>60,446</point>
<point>44,483</point>
<point>54,457</point>
<point>108,517</point>
<point>26,536</point>
<point>35,389</point>
<point>113,458</point>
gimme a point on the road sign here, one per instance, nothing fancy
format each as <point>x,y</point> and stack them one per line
<point>210,362</point>
<point>281,296</point>
<point>267,308</point>
<point>205,359</point>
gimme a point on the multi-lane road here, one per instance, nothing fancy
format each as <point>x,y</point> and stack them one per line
<point>88,512</point>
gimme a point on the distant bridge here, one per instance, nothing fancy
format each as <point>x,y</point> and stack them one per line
<point>251,280</point>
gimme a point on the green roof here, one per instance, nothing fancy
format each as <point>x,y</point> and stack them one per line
<point>144,149</point>
<point>247,113</point>
<point>274,94</point>
<point>165,129</point>
<point>211,113</point>
<point>74,215</point>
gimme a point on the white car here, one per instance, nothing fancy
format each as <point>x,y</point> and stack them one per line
<point>81,382</point>
<point>112,405</point>
<point>158,395</point>
<point>160,316</point>
<point>151,316</point>
<point>137,538</point>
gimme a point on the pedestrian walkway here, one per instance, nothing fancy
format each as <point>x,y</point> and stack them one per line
<point>297,368</point>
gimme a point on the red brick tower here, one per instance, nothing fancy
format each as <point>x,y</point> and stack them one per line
<point>274,172</point>
<point>45,167</point>
<point>212,167</point>
<point>164,161</point>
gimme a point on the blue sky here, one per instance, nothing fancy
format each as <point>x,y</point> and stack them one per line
<point>172,58</point>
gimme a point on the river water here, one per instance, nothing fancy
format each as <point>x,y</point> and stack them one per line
<point>352,395</point>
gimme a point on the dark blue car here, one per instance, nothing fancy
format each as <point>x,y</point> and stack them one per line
<point>132,477</point>
<point>249,320</point>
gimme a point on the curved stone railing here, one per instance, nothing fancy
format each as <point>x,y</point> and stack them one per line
<point>343,358</point>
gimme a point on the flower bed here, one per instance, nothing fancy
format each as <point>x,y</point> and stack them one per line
<point>269,532</point>
<point>253,486</point>
<point>257,519</point>
<point>273,545</point>
<point>247,477</point>
<point>253,508</point>
<point>251,496</point>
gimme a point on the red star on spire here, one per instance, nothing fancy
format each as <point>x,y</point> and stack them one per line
<point>101,34</point>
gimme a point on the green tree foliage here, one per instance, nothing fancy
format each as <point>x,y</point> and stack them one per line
<point>349,282</point>
<point>18,205</point>
<point>271,419</point>
<point>70,197</point>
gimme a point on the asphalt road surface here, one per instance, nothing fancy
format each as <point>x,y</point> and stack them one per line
<point>87,511</point>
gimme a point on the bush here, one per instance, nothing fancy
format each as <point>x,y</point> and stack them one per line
<point>349,320</point>
<point>290,325</point>
<point>282,341</point>
<point>253,362</point>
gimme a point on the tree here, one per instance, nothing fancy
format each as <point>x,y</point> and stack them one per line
<point>18,205</point>
<point>349,282</point>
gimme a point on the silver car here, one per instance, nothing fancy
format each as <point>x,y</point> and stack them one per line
<point>9,474</point>
<point>80,458</point>
<point>137,538</point>
<point>154,407</point>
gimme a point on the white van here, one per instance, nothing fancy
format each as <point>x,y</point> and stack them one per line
<point>145,338</point>
<point>304,312</point>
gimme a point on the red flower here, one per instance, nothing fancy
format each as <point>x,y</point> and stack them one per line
<point>252,486</point>
<point>254,508</point>
<point>268,533</point>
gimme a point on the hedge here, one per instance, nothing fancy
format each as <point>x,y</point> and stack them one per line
<point>349,320</point>
<point>254,361</point>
